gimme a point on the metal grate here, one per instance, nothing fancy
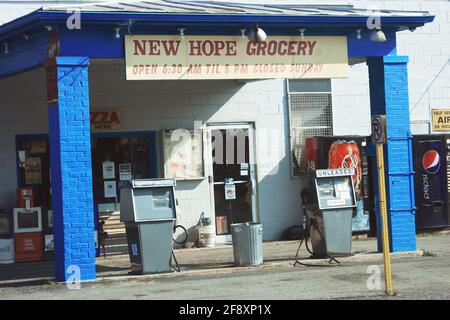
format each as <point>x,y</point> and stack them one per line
<point>310,115</point>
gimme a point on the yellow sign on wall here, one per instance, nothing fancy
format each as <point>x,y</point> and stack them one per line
<point>441,119</point>
<point>232,57</point>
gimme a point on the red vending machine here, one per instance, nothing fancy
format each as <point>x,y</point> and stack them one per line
<point>325,152</point>
<point>28,237</point>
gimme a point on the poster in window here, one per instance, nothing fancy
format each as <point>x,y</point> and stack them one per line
<point>183,154</point>
<point>125,172</point>
<point>49,243</point>
<point>38,147</point>
<point>33,171</point>
<point>50,218</point>
<point>109,170</point>
<point>230,191</point>
<point>110,189</point>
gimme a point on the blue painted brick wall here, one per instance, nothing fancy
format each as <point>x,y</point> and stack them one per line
<point>71,169</point>
<point>389,95</point>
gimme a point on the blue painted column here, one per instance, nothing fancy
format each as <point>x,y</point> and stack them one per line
<point>388,77</point>
<point>71,167</point>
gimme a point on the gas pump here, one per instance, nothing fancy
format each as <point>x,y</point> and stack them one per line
<point>148,209</point>
<point>328,205</point>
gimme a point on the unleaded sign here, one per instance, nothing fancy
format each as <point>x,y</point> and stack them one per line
<point>232,57</point>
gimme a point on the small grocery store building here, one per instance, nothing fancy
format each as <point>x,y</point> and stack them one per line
<point>110,85</point>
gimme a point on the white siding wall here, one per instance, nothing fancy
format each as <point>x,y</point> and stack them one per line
<point>351,112</point>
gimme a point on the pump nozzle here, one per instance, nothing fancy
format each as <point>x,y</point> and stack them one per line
<point>304,195</point>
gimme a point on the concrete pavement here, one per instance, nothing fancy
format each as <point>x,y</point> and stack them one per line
<point>415,277</point>
<point>208,260</point>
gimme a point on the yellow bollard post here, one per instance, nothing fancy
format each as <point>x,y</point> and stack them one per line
<point>383,211</point>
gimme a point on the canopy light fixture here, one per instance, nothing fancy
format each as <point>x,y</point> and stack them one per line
<point>256,34</point>
<point>117,34</point>
<point>130,23</point>
<point>181,31</point>
<point>49,28</point>
<point>358,34</point>
<point>377,35</point>
<point>302,33</point>
<point>6,48</point>
<point>243,33</point>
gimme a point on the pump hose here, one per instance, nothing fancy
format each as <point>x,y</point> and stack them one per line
<point>175,265</point>
<point>305,239</point>
<point>185,232</point>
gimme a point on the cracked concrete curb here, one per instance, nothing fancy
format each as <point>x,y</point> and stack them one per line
<point>357,258</point>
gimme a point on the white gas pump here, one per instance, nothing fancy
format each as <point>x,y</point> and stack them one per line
<point>328,204</point>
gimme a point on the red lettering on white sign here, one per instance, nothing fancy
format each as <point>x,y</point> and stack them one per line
<point>105,119</point>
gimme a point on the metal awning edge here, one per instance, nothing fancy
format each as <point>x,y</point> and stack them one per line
<point>40,16</point>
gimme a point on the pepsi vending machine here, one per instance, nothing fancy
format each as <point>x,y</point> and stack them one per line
<point>332,152</point>
<point>432,180</point>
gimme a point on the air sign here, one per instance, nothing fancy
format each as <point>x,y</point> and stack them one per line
<point>441,119</point>
<point>230,57</point>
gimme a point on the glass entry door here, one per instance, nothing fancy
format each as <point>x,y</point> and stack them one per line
<point>233,179</point>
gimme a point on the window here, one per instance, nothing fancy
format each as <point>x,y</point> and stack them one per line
<point>183,154</point>
<point>116,158</point>
<point>310,115</point>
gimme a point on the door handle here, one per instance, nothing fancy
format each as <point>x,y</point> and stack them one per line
<point>253,187</point>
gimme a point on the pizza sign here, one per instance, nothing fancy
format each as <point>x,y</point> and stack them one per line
<point>105,119</point>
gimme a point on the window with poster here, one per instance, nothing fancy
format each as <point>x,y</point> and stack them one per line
<point>33,159</point>
<point>115,157</point>
<point>118,157</point>
<point>183,154</point>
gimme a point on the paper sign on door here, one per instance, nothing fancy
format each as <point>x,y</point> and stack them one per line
<point>244,169</point>
<point>230,191</point>
<point>110,189</point>
<point>125,171</point>
<point>109,171</point>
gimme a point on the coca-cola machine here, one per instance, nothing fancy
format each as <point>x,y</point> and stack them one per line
<point>325,152</point>
<point>432,180</point>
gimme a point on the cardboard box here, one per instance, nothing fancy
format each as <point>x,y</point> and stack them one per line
<point>222,225</point>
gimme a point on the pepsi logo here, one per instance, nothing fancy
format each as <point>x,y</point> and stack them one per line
<point>431,161</point>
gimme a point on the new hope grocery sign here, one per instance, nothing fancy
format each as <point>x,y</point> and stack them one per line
<point>228,57</point>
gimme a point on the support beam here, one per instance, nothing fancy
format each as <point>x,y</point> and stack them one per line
<point>388,77</point>
<point>71,167</point>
